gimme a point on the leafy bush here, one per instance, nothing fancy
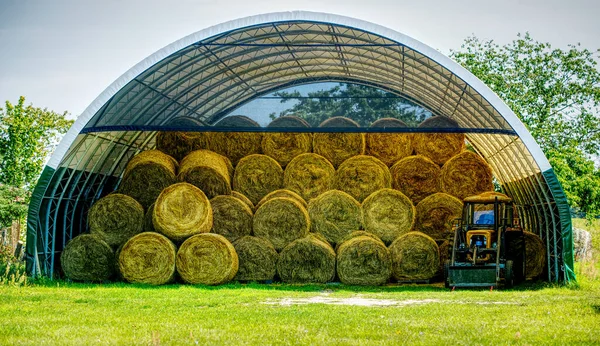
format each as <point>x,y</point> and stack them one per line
<point>12,270</point>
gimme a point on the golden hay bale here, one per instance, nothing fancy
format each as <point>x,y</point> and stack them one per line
<point>208,171</point>
<point>436,215</point>
<point>179,143</point>
<point>116,218</point>
<point>364,260</point>
<point>147,174</point>
<point>282,193</point>
<point>389,147</point>
<point>281,220</point>
<point>236,145</point>
<point>354,235</point>
<point>258,259</point>
<point>284,146</point>
<point>181,211</point>
<point>207,259</point>
<point>334,214</point>
<point>309,175</point>
<point>243,198</point>
<point>466,174</point>
<point>87,258</point>
<point>535,255</point>
<point>416,176</point>
<point>257,175</point>
<point>415,256</point>
<point>439,147</point>
<point>362,175</point>
<point>307,260</point>
<point>489,197</point>
<point>231,217</point>
<point>337,147</point>
<point>148,258</point>
<point>388,214</point>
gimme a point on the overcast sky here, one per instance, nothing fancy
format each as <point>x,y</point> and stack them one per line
<point>61,54</point>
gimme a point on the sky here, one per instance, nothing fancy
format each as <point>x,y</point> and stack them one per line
<point>61,54</point>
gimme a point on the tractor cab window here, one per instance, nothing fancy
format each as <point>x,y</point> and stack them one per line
<point>483,214</point>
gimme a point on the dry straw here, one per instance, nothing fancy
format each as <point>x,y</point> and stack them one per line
<point>362,175</point>
<point>466,174</point>
<point>439,147</point>
<point>307,260</point>
<point>284,146</point>
<point>257,175</point>
<point>281,220</point>
<point>236,145</point>
<point>282,193</point>
<point>388,214</point>
<point>334,214</point>
<point>309,175</point>
<point>87,258</point>
<point>337,147</point>
<point>148,226</point>
<point>389,147</point>
<point>179,143</point>
<point>116,218</point>
<point>231,217</point>
<point>535,255</point>
<point>354,235</point>
<point>243,198</point>
<point>208,171</point>
<point>415,256</point>
<point>416,176</point>
<point>207,259</point>
<point>148,258</point>
<point>364,260</point>
<point>258,259</point>
<point>436,214</point>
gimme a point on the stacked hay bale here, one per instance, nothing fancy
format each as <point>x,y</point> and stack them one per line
<point>236,145</point>
<point>281,220</point>
<point>178,144</point>
<point>416,176</point>
<point>466,174</point>
<point>361,175</point>
<point>257,259</point>
<point>307,260</point>
<point>335,214</point>
<point>439,147</point>
<point>284,146</point>
<point>363,260</point>
<point>389,147</point>
<point>335,146</point>
<point>309,175</point>
<point>208,171</point>
<point>256,175</point>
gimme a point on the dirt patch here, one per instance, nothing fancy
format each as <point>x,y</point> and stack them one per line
<point>361,301</point>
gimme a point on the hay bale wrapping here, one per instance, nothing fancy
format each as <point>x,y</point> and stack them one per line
<point>281,220</point>
<point>208,171</point>
<point>337,147</point>
<point>178,144</point>
<point>389,147</point>
<point>307,260</point>
<point>148,258</point>
<point>257,175</point>
<point>361,175</point>
<point>232,218</point>
<point>87,258</point>
<point>535,255</point>
<point>236,145</point>
<point>436,215</point>
<point>364,260</point>
<point>207,259</point>
<point>416,176</point>
<point>415,256</point>
<point>335,214</point>
<point>309,175</point>
<point>466,174</point>
<point>388,214</point>
<point>439,147</point>
<point>257,259</point>
<point>282,193</point>
<point>116,218</point>
<point>284,146</point>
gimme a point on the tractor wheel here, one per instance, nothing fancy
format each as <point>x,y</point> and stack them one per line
<point>509,279</point>
<point>446,268</point>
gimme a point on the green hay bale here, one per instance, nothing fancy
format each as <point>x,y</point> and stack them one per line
<point>208,171</point>
<point>207,259</point>
<point>282,193</point>
<point>439,147</point>
<point>535,255</point>
<point>148,258</point>
<point>466,174</point>
<point>179,143</point>
<point>243,198</point>
<point>415,256</point>
<point>416,176</point>
<point>306,260</point>
<point>181,211</point>
<point>388,214</point>
<point>87,258</point>
<point>116,218</point>
<point>436,215</point>
<point>231,217</point>
<point>257,175</point>
<point>309,175</point>
<point>334,214</point>
<point>257,257</point>
<point>337,147</point>
<point>148,226</point>
<point>284,146</point>
<point>354,235</point>
<point>281,220</point>
<point>361,175</point>
<point>389,147</point>
<point>364,260</point>
<point>236,145</point>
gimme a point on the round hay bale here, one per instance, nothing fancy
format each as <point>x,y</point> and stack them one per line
<point>148,258</point>
<point>87,258</point>
<point>388,214</point>
<point>148,226</point>
<point>281,220</point>
<point>436,214</point>
<point>179,143</point>
<point>236,145</point>
<point>231,217</point>
<point>364,260</point>
<point>354,235</point>
<point>389,147</point>
<point>257,175</point>
<point>309,175</point>
<point>337,147</point>
<point>334,214</point>
<point>415,256</point>
<point>444,248</point>
<point>439,147</point>
<point>282,193</point>
<point>207,259</point>
<point>208,171</point>
<point>147,174</point>
<point>243,198</point>
<point>535,255</point>
<point>362,175</point>
<point>466,174</point>
<point>416,176</point>
<point>307,260</point>
<point>284,146</point>
<point>258,259</point>
<point>181,211</point>
<point>116,218</point>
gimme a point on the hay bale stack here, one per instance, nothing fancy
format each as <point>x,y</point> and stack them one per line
<point>389,147</point>
<point>354,235</point>
<point>388,214</point>
<point>116,218</point>
<point>361,175</point>
<point>284,146</point>
<point>439,147</point>
<point>147,174</point>
<point>309,175</point>
<point>282,193</point>
<point>257,175</point>
<point>334,214</point>
<point>236,145</point>
<point>337,147</point>
<point>181,211</point>
<point>444,248</point>
<point>415,256</point>
<point>87,258</point>
<point>436,214</point>
<point>466,174</point>
<point>257,257</point>
<point>208,171</point>
<point>148,226</point>
<point>243,198</point>
<point>416,176</point>
<point>148,258</point>
<point>281,220</point>
<point>207,259</point>
<point>231,217</point>
<point>307,260</point>
<point>178,144</point>
<point>535,255</point>
<point>364,260</point>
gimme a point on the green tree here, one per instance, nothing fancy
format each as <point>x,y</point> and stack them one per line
<point>13,205</point>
